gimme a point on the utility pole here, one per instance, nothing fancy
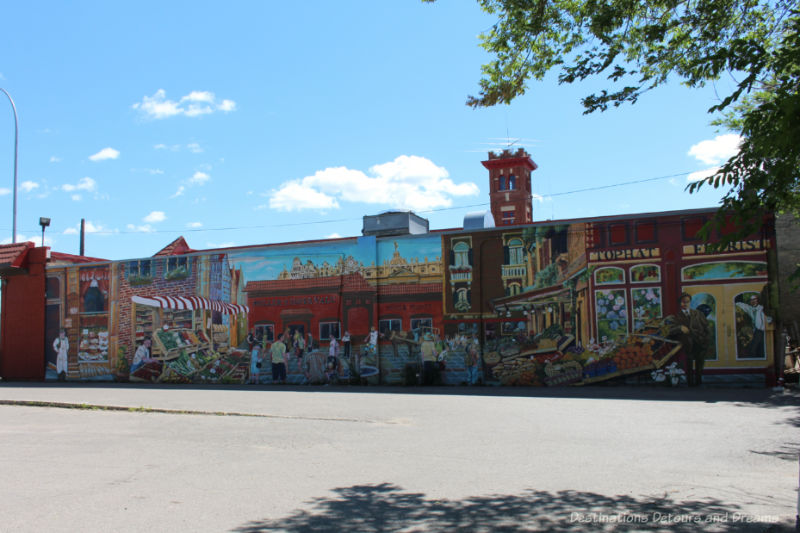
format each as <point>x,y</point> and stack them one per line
<point>83,228</point>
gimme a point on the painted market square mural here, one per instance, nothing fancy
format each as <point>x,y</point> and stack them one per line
<point>624,299</point>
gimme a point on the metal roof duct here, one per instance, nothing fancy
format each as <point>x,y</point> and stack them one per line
<point>392,223</point>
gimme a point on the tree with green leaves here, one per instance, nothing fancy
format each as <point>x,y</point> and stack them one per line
<point>638,45</point>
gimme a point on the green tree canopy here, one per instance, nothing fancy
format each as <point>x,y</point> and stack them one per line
<point>638,45</point>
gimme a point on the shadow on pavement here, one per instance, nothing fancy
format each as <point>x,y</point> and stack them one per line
<point>386,507</point>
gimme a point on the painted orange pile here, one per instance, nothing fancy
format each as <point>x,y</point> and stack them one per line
<point>633,356</point>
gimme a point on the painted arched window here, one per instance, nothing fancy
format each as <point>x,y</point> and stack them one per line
<point>724,270</point>
<point>645,273</point>
<point>513,289</point>
<point>461,251</point>
<point>516,255</point>
<point>609,276</point>
<point>751,324</point>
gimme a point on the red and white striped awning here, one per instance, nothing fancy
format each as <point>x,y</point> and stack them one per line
<point>190,302</point>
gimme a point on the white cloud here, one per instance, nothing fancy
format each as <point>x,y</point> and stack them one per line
<point>194,225</point>
<point>194,104</point>
<point>334,235</point>
<point>76,197</point>
<point>199,178</point>
<point>229,244</point>
<point>716,150</point>
<point>701,174</point>
<point>199,96</point>
<point>195,148</point>
<point>408,182</point>
<point>155,171</point>
<point>88,227</point>
<point>4,191</point>
<point>28,186</point>
<point>296,196</point>
<point>179,192</point>
<point>155,216</point>
<point>227,106</point>
<point>147,228</point>
<point>54,159</point>
<point>84,184</point>
<point>105,153</point>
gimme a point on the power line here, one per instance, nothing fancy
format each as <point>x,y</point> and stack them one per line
<point>330,221</point>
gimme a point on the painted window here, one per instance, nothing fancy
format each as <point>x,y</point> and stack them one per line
<point>461,251</point>
<point>612,314</point>
<point>690,227</point>
<point>417,323</point>
<point>420,326</point>
<point>176,268</point>
<point>265,331</point>
<point>751,323</point>
<point>328,330</point>
<point>609,276</point>
<point>387,325</point>
<point>645,273</point>
<point>508,217</point>
<point>617,234</point>
<point>140,270</point>
<point>513,289</point>
<point>516,255</point>
<point>646,306</point>
<point>724,270</point>
<point>646,232</point>
<point>53,288</point>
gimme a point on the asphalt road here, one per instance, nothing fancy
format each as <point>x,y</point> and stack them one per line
<point>395,459</point>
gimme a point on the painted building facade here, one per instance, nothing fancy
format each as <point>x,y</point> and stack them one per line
<point>570,302</point>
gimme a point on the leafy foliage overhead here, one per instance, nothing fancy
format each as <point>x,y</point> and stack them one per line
<point>638,45</point>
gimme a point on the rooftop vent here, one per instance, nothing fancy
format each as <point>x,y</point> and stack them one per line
<point>478,220</point>
<point>392,223</point>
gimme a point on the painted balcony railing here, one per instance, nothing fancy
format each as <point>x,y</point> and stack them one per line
<point>514,271</point>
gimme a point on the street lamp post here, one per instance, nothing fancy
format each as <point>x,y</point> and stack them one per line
<point>16,143</point>
<point>43,222</point>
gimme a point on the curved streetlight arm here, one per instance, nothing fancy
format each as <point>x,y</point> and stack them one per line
<point>16,144</point>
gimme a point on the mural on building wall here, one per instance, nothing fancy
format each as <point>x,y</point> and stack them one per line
<point>544,304</point>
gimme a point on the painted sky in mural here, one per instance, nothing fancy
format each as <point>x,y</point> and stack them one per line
<point>270,263</point>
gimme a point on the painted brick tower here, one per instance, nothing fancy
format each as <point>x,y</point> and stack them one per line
<point>510,186</point>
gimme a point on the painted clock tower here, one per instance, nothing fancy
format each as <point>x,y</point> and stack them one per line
<point>510,186</point>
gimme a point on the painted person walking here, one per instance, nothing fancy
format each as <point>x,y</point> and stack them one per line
<point>427,351</point>
<point>278,353</point>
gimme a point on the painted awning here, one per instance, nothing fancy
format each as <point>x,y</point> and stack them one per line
<point>190,302</point>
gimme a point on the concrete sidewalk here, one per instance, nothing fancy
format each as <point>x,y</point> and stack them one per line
<point>393,458</point>
<point>238,398</point>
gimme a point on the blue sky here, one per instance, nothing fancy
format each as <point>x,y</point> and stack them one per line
<point>258,122</point>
